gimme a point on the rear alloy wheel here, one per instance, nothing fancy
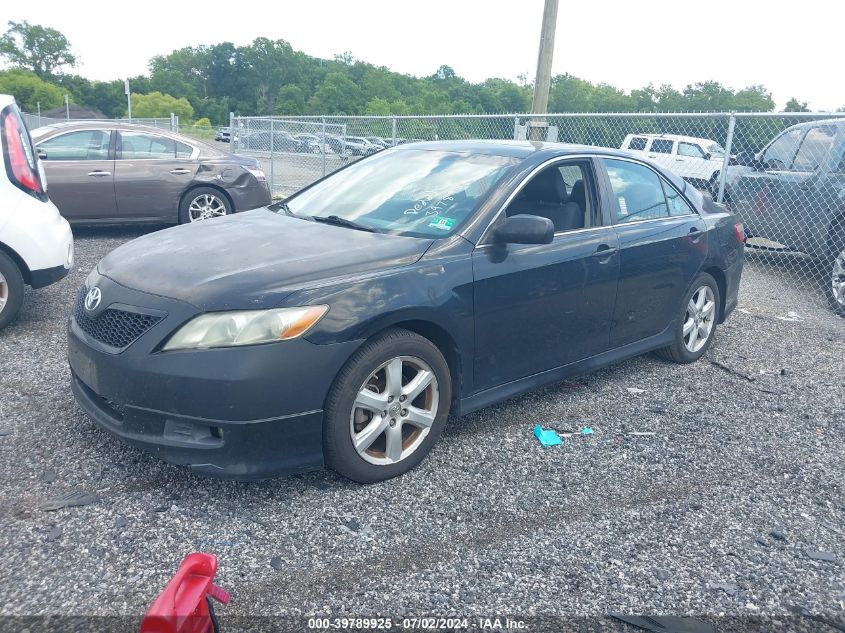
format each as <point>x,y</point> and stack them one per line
<point>11,290</point>
<point>387,407</point>
<point>836,289</point>
<point>204,203</point>
<point>696,326</point>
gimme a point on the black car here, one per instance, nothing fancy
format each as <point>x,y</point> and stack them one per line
<point>344,325</point>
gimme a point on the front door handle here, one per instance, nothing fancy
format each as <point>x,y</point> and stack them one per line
<point>604,252</point>
<point>180,171</point>
<point>695,234</point>
<point>98,173</point>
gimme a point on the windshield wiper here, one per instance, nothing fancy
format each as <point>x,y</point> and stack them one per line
<point>336,220</point>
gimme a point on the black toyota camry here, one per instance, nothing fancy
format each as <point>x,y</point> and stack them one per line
<point>344,325</point>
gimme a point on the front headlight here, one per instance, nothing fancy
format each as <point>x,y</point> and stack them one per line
<point>247,327</point>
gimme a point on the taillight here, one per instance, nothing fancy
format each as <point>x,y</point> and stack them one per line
<point>739,232</point>
<point>21,167</point>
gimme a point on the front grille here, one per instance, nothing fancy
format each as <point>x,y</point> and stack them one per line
<point>112,327</point>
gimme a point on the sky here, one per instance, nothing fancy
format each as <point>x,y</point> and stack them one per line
<point>792,49</point>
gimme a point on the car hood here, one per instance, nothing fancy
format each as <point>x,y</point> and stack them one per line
<point>251,259</point>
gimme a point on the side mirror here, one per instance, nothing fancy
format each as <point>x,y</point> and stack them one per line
<point>707,156</point>
<point>524,229</point>
<point>42,154</point>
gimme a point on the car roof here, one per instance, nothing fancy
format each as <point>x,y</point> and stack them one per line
<point>677,137</point>
<point>515,149</point>
<point>814,123</point>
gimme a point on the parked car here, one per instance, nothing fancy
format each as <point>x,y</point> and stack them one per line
<point>260,142</point>
<point>115,172</point>
<point>308,143</point>
<point>378,141</point>
<point>699,161</point>
<point>36,244</point>
<point>794,195</point>
<point>424,280</point>
<point>224,135</point>
<point>359,146</point>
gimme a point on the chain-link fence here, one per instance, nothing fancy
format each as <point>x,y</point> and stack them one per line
<point>34,121</point>
<point>783,174</point>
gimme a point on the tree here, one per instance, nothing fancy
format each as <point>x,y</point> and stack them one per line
<point>156,104</point>
<point>37,48</point>
<point>29,90</point>
<point>793,105</point>
<point>338,94</point>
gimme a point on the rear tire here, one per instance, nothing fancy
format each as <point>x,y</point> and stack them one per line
<point>836,281</point>
<point>203,203</point>
<point>11,290</point>
<point>697,317</point>
<point>387,407</point>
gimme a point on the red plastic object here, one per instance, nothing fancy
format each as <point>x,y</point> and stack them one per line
<point>183,606</point>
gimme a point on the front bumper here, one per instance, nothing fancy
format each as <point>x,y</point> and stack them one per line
<point>243,412</point>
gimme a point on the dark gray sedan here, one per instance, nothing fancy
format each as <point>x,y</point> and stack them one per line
<point>114,172</point>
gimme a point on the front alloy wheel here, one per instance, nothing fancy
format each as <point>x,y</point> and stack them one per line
<point>386,407</point>
<point>394,410</point>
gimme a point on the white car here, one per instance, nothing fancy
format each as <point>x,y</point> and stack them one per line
<point>697,160</point>
<point>36,243</point>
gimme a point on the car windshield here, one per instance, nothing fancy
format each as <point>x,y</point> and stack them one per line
<point>415,193</point>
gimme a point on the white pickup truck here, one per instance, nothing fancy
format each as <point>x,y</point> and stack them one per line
<point>697,160</point>
<point>36,243</point>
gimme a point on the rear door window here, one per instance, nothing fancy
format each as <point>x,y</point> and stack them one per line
<point>662,146</point>
<point>81,145</point>
<point>140,146</point>
<point>815,148</point>
<point>636,190</point>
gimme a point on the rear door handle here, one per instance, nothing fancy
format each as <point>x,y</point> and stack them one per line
<point>180,171</point>
<point>99,173</point>
<point>695,234</point>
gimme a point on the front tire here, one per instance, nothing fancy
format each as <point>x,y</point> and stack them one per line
<point>11,290</point>
<point>697,318</point>
<point>387,407</point>
<point>203,203</point>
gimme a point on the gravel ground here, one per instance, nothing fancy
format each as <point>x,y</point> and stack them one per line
<point>714,515</point>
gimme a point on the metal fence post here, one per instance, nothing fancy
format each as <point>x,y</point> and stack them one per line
<point>723,175</point>
<point>272,160</point>
<point>172,122</point>
<point>323,121</point>
<point>393,139</point>
<point>231,132</point>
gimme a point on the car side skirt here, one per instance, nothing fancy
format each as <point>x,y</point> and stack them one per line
<point>517,387</point>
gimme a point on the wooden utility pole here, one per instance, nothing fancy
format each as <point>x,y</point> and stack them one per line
<point>538,126</point>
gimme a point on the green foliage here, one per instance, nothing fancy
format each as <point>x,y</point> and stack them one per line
<point>270,77</point>
<point>29,90</point>
<point>37,48</point>
<point>203,122</point>
<point>793,105</point>
<point>156,104</point>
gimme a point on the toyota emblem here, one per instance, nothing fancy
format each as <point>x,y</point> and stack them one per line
<point>92,299</point>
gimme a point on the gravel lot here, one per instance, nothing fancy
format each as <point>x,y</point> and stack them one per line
<point>712,516</point>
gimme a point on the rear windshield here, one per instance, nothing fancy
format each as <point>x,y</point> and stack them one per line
<point>417,193</point>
